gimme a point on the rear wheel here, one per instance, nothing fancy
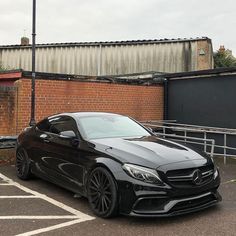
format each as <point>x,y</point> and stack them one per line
<point>102,193</point>
<point>22,164</point>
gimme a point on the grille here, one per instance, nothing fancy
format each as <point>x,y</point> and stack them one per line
<point>151,204</point>
<point>194,203</point>
<point>185,177</point>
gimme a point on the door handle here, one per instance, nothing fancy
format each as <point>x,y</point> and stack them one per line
<point>45,138</point>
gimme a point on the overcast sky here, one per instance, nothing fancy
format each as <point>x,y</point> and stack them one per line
<point>109,20</point>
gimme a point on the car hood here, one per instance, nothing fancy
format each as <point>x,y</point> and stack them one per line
<point>149,151</point>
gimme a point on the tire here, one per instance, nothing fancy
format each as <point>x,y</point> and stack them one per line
<point>23,170</point>
<point>102,193</point>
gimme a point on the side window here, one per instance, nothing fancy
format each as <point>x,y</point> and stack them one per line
<point>60,124</point>
<point>44,125</point>
<point>57,124</point>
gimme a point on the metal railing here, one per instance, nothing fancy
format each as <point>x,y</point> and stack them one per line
<point>188,140</point>
<point>7,142</point>
<point>188,135</point>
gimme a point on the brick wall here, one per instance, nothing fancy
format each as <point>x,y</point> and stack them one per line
<point>204,62</point>
<point>54,96</point>
<point>8,105</point>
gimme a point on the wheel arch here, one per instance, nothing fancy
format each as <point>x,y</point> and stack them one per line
<point>112,166</point>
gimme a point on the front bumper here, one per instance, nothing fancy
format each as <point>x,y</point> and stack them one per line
<point>142,199</point>
<point>164,207</point>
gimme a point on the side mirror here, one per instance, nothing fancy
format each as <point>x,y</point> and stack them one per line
<point>68,134</point>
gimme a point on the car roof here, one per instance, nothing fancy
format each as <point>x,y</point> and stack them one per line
<point>84,114</point>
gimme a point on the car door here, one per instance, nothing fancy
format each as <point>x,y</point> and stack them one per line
<point>62,156</point>
<point>36,147</point>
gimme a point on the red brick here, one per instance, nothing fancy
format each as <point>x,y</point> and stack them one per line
<point>140,102</point>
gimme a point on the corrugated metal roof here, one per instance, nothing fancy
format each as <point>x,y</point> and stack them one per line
<point>112,58</point>
<point>109,43</point>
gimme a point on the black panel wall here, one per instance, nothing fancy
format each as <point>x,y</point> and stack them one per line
<point>207,101</point>
<point>203,101</point>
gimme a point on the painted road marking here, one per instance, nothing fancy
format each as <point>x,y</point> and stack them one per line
<point>38,217</point>
<point>26,196</point>
<point>46,198</point>
<point>50,228</point>
<point>77,216</point>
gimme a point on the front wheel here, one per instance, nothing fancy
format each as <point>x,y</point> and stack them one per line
<point>102,193</point>
<point>22,164</point>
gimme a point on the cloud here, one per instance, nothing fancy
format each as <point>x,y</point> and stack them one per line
<point>104,20</point>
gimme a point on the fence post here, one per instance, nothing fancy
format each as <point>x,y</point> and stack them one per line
<point>205,141</point>
<point>212,147</point>
<point>225,145</point>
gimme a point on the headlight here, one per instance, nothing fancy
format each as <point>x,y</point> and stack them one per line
<point>216,173</point>
<point>143,174</point>
<point>216,169</point>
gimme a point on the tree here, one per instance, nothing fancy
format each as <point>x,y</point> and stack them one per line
<point>224,58</point>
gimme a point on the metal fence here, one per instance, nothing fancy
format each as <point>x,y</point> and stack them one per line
<point>170,129</point>
<point>7,142</point>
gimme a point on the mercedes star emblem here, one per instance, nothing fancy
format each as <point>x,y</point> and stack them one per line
<point>197,177</point>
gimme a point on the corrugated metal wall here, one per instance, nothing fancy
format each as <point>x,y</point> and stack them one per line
<point>105,59</point>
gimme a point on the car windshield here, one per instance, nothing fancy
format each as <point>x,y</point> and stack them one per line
<point>95,127</point>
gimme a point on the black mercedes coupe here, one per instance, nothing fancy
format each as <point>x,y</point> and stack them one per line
<point>118,164</point>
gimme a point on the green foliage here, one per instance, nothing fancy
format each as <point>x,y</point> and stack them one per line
<point>2,68</point>
<point>224,59</point>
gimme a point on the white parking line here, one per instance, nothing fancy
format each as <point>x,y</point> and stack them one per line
<point>38,217</point>
<point>26,196</point>
<point>76,215</point>
<point>46,198</point>
<point>50,228</point>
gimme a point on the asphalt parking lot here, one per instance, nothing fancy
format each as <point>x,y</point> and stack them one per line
<point>37,207</point>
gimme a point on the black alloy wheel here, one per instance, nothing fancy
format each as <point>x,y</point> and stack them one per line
<point>102,193</point>
<point>22,165</point>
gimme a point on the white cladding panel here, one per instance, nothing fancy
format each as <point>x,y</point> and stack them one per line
<point>105,59</point>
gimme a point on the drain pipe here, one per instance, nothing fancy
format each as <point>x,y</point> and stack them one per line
<point>166,99</point>
<point>162,80</point>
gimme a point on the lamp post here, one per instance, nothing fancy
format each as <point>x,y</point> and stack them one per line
<point>32,119</point>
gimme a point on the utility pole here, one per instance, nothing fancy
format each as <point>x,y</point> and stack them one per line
<point>32,119</point>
